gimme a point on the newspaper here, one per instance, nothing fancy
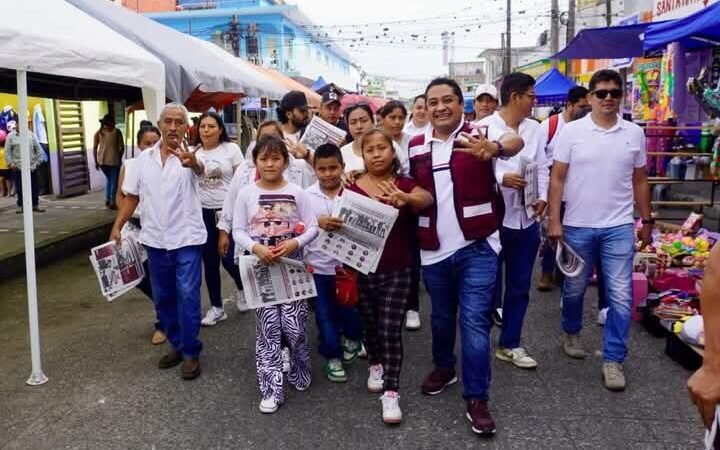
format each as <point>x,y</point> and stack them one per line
<point>319,132</point>
<point>118,268</point>
<point>529,195</point>
<point>360,242</point>
<point>284,282</point>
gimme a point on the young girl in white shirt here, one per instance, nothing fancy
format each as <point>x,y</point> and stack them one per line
<point>273,219</point>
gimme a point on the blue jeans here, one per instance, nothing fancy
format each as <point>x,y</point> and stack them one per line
<point>465,280</point>
<point>333,320</point>
<point>175,278</point>
<point>519,248</point>
<point>112,173</point>
<point>212,259</point>
<point>614,247</point>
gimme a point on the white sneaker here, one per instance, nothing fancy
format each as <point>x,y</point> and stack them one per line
<point>412,320</point>
<point>268,405</point>
<point>375,378</point>
<point>518,356</point>
<point>240,301</point>
<point>285,359</point>
<point>602,316</point>
<point>213,317</point>
<point>391,407</point>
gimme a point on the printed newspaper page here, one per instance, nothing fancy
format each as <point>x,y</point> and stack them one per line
<point>319,132</point>
<point>118,269</point>
<point>284,282</point>
<point>360,242</point>
<point>529,194</point>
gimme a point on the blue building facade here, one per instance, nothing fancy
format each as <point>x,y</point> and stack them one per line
<point>266,32</point>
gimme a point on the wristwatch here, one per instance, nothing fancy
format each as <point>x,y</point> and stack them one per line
<point>650,221</point>
<point>501,150</point>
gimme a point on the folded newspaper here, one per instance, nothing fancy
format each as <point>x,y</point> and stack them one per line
<point>118,268</point>
<point>360,242</point>
<point>266,285</point>
<point>319,132</point>
<point>529,195</point>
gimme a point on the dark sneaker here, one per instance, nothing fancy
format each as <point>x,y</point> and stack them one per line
<point>479,416</point>
<point>190,368</point>
<point>438,380</point>
<point>171,359</point>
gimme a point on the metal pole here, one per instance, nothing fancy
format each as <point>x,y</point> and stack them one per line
<point>608,12</point>
<point>554,30</point>
<point>570,33</point>
<point>507,68</point>
<point>37,376</point>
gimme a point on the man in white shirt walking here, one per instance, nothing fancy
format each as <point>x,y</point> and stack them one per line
<point>173,234</point>
<point>599,166</point>
<point>520,232</point>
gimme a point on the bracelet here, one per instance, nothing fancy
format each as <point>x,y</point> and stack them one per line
<point>648,221</point>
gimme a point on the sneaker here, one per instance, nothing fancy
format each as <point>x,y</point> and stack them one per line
<point>362,354</point>
<point>517,356</point>
<point>190,368</point>
<point>213,317</point>
<point>546,283</point>
<point>301,388</point>
<point>158,337</point>
<point>391,413</point>
<point>438,380</point>
<point>602,316</point>
<point>412,320</point>
<point>285,354</point>
<point>335,371</point>
<point>497,317</point>
<point>614,376</point>
<point>572,346</point>
<point>268,405</point>
<point>351,349</point>
<point>240,302</point>
<point>171,359</point>
<point>479,416</point>
<point>37,209</point>
<point>375,378</point>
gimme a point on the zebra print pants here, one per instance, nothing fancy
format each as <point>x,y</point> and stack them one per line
<point>271,324</point>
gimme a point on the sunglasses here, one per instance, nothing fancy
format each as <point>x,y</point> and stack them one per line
<point>602,94</point>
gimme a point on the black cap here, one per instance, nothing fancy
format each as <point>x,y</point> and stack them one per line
<point>330,96</point>
<point>292,100</point>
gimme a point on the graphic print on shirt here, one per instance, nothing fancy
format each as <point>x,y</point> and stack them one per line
<point>276,220</point>
<point>214,174</point>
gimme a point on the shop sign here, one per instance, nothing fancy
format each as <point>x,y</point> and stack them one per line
<point>675,9</point>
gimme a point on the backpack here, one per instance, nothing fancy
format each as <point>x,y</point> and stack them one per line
<point>553,126</point>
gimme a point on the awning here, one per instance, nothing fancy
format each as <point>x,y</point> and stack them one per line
<point>694,32</point>
<point>624,41</point>
<point>318,84</point>
<point>552,87</point>
<point>189,66</point>
<point>313,98</point>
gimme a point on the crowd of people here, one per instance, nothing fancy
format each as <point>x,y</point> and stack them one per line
<point>461,229</point>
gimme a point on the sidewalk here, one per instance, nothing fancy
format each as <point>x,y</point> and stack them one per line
<point>68,226</point>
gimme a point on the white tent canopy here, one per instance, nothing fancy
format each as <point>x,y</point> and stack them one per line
<point>55,38</point>
<point>63,50</point>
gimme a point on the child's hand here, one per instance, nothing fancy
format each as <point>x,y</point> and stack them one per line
<point>329,223</point>
<point>264,254</point>
<point>285,248</point>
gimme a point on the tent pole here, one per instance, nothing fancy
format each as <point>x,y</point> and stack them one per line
<point>37,377</point>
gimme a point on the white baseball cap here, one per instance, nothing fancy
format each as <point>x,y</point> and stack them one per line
<point>486,89</point>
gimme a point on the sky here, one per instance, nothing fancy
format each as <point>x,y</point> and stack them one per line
<point>402,38</point>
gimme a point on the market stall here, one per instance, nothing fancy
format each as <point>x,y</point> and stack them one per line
<point>551,88</point>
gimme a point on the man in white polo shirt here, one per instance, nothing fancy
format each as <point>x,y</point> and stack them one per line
<point>599,166</point>
<point>173,234</point>
<point>486,101</point>
<point>520,232</point>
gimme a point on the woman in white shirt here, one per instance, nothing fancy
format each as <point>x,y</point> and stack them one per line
<point>359,118</point>
<point>418,117</point>
<point>221,158</point>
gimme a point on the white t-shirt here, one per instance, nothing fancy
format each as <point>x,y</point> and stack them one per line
<point>534,150</point>
<point>353,162</point>
<point>448,228</point>
<point>130,166</point>
<point>599,188</point>
<point>171,211</point>
<point>545,133</point>
<point>269,217</point>
<point>220,164</point>
<point>321,205</point>
<point>412,130</point>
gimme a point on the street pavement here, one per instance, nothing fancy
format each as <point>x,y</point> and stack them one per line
<point>105,391</point>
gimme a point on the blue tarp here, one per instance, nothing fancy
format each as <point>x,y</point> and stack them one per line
<point>623,41</point>
<point>694,32</point>
<point>318,84</point>
<point>552,87</point>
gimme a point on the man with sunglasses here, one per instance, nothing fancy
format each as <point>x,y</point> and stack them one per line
<point>599,167</point>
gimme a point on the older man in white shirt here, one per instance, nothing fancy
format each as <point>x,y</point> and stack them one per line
<point>173,233</point>
<point>520,232</point>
